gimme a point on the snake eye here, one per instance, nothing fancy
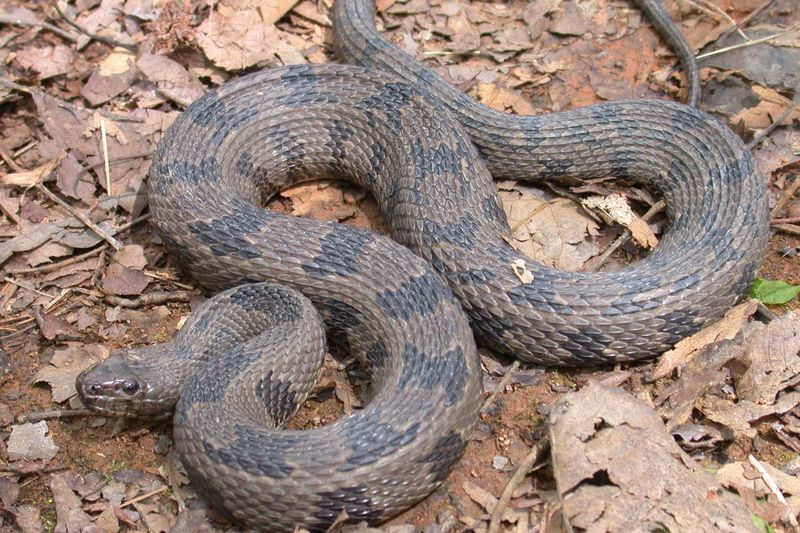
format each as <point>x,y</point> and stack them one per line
<point>130,387</point>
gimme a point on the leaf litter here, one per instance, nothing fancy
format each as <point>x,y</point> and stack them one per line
<point>82,117</point>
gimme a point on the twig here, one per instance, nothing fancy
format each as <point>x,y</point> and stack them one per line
<point>144,496</point>
<point>5,82</point>
<point>709,9</point>
<point>61,264</point>
<point>45,470</point>
<point>104,146</point>
<point>49,415</point>
<point>151,298</point>
<point>773,486</point>
<point>500,386</point>
<point>775,123</point>
<point>164,277</point>
<point>792,229</point>
<point>624,237</point>
<point>107,40</point>
<point>500,507</point>
<point>83,218</point>
<point>9,159</point>
<point>786,196</point>
<point>5,19</point>
<point>745,20</point>
<point>749,43</point>
<point>81,257</point>
<point>27,287</point>
<point>792,220</point>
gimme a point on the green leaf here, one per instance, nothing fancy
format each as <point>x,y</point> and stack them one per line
<point>773,292</point>
<point>762,524</point>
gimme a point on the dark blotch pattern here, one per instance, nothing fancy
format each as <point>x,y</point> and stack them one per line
<point>253,451</point>
<point>278,400</point>
<point>341,250</point>
<point>382,440</point>
<point>419,296</point>
<point>218,235</point>
<point>428,371</point>
<point>351,499</point>
<point>444,455</point>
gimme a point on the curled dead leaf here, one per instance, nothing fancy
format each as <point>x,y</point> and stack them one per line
<point>30,178</point>
<point>525,276</point>
<point>616,206</point>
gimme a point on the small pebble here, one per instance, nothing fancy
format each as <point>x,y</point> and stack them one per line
<point>163,444</point>
<point>792,467</point>
<point>499,462</point>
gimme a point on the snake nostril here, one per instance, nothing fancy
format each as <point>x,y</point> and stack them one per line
<point>95,389</point>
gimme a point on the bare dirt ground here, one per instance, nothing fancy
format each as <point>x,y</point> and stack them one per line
<point>88,88</point>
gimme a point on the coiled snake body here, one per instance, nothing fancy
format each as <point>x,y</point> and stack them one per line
<point>394,134</point>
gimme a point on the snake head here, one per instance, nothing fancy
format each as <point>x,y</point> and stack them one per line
<point>119,386</point>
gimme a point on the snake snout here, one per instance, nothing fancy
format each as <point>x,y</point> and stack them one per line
<point>113,387</point>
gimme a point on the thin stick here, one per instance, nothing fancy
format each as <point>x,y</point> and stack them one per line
<point>792,229</point>
<point>792,220</point>
<point>787,195</point>
<point>83,218</point>
<point>748,43</point>
<point>745,20</point>
<point>27,287</point>
<point>144,496</point>
<point>624,237</point>
<point>727,17</point>
<point>49,415</point>
<point>775,123</point>
<point>163,277</point>
<point>104,145</point>
<point>107,40</point>
<point>5,19</point>
<point>152,298</point>
<point>60,264</point>
<point>773,486</point>
<point>5,82</point>
<point>500,386</point>
<point>500,507</point>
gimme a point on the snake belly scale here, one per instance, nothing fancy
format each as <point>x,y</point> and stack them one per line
<point>407,137</point>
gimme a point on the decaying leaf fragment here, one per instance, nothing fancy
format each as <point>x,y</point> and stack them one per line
<point>726,328</point>
<point>617,469</point>
<point>616,207</point>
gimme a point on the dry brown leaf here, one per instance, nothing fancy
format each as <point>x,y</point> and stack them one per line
<point>31,237</point>
<point>124,281</point>
<point>772,353</point>
<point>31,442</point>
<point>115,74</point>
<point>617,469</point>
<point>48,61</point>
<point>69,512</point>
<point>65,366</point>
<point>170,76</point>
<point>308,10</point>
<point>234,37</point>
<point>488,501</point>
<point>132,256</point>
<point>570,21</point>
<point>271,11</point>
<point>725,328</point>
<point>616,207</point>
<point>103,20</point>
<point>554,233</point>
<point>504,99</point>
<point>30,178</point>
